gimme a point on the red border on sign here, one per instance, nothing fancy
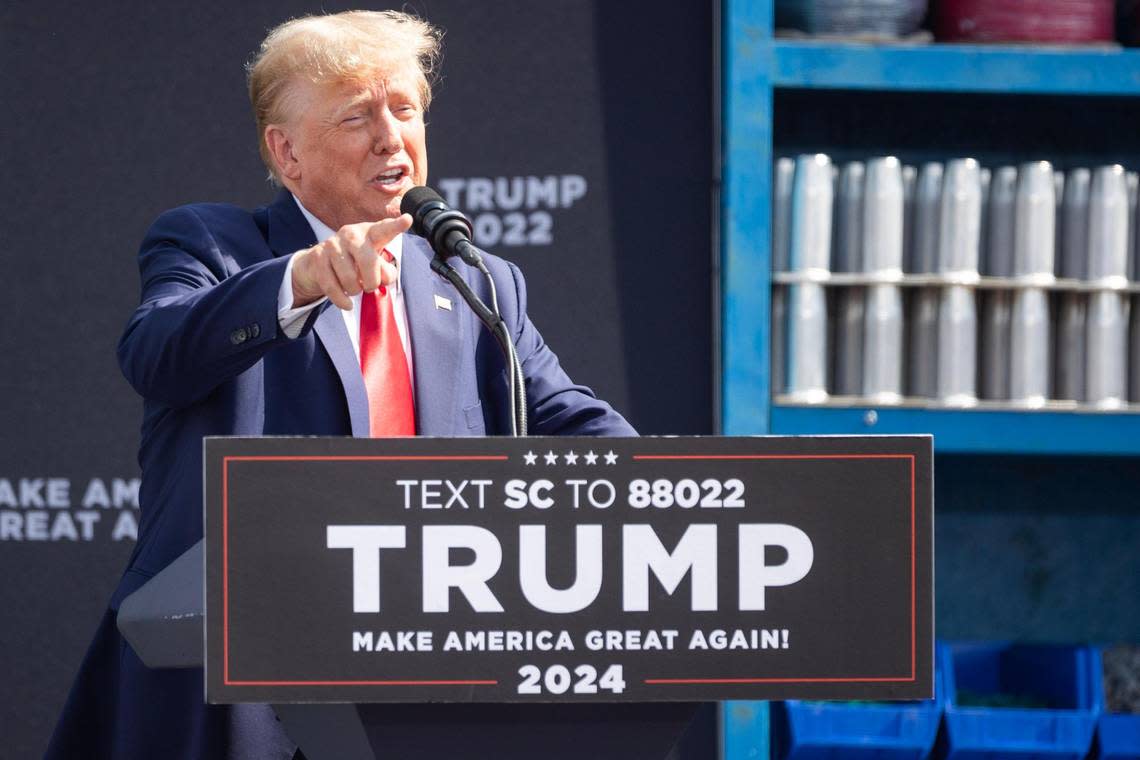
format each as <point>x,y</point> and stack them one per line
<point>226,680</point>
<point>913,591</point>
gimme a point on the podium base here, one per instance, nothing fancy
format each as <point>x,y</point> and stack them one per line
<point>505,732</point>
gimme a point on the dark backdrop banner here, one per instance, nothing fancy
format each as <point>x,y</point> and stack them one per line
<point>577,134</point>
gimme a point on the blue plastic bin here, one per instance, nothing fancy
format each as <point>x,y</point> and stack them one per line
<point>1118,737</point>
<point>1061,676</point>
<point>1117,734</point>
<point>838,731</point>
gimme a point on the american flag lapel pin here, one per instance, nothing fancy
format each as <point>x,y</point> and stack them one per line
<point>442,303</point>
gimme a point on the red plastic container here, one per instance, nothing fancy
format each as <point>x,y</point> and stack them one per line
<point>1066,22</point>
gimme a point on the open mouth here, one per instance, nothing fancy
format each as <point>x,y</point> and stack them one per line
<point>391,177</point>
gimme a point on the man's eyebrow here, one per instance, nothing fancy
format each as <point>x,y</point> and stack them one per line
<point>401,89</point>
<point>355,102</point>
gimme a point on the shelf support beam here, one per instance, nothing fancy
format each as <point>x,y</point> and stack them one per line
<point>745,219</point>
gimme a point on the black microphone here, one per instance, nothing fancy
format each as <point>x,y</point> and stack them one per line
<point>447,230</point>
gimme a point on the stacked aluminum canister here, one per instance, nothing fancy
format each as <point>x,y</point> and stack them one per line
<point>955,284</point>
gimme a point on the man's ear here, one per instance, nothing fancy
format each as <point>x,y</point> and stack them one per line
<point>280,144</point>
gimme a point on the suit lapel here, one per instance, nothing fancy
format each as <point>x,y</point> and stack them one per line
<point>287,232</point>
<point>330,328</point>
<point>436,339</point>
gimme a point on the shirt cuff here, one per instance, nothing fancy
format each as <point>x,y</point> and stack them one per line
<point>291,320</point>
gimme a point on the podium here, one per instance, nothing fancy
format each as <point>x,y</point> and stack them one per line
<point>164,619</point>
<point>382,595</point>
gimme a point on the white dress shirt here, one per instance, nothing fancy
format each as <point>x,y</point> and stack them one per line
<point>291,320</point>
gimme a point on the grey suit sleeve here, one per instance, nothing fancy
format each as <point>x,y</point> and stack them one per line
<point>556,404</point>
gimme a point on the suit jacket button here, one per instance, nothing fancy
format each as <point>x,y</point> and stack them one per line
<point>254,330</point>
<point>238,336</point>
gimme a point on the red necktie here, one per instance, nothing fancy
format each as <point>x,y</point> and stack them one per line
<point>385,367</point>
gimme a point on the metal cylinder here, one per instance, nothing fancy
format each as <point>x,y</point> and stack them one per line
<point>1136,226</point>
<point>810,240</point>
<point>984,179</point>
<point>883,258</point>
<point>922,343</point>
<point>1108,226</point>
<point>779,338</point>
<point>927,199</point>
<point>850,318</point>
<point>1029,343</point>
<point>993,353</point>
<point>1133,183</point>
<point>807,343</point>
<point>910,185</point>
<point>1134,352</point>
<point>809,253</point>
<point>883,343</point>
<point>1034,237</point>
<point>1073,252</point>
<point>847,256</point>
<point>782,212</point>
<point>781,237</point>
<point>883,218</point>
<point>1058,218</point>
<point>960,219</point>
<point>1106,379</point>
<point>848,220</point>
<point>1069,383</point>
<point>957,346</point>
<point>999,234</point>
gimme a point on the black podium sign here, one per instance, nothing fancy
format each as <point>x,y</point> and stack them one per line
<point>568,569</point>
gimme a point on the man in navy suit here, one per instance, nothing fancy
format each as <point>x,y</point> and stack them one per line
<point>251,324</point>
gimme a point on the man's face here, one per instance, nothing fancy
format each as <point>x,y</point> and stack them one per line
<point>355,148</point>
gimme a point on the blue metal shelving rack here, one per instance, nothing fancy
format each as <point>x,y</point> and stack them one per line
<point>755,64</point>
<point>954,68</point>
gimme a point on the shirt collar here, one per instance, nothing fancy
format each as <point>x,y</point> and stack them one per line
<point>324,232</point>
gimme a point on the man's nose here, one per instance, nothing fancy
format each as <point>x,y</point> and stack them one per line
<point>387,137</point>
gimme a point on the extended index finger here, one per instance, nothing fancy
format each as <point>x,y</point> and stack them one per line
<point>383,232</point>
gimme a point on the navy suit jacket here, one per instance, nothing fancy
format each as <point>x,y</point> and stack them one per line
<point>205,352</point>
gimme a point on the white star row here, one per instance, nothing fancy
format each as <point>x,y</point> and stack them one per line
<point>570,457</point>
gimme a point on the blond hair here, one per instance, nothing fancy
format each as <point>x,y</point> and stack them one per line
<point>348,46</point>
